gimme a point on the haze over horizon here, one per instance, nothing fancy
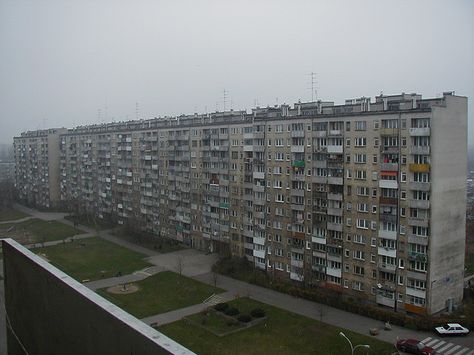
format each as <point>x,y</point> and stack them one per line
<point>72,63</point>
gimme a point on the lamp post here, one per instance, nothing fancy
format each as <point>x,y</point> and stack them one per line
<point>350,343</point>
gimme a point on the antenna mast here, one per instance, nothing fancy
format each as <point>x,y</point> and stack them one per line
<point>225,97</point>
<point>314,92</point>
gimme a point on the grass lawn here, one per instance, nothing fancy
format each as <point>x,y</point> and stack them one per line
<point>282,333</point>
<point>161,293</point>
<point>38,231</point>
<point>93,258</point>
<point>11,215</point>
<point>97,225</point>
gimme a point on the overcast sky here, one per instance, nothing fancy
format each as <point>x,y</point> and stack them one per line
<point>66,63</point>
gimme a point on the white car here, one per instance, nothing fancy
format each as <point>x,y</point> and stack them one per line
<point>452,329</point>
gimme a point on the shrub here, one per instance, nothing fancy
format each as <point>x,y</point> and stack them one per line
<point>244,318</point>
<point>232,311</point>
<point>257,313</point>
<point>221,307</point>
<point>231,323</point>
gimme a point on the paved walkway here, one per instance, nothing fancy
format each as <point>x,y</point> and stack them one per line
<point>125,279</point>
<point>173,316</point>
<point>24,219</point>
<point>47,216</point>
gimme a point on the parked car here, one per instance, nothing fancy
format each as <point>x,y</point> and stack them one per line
<point>452,329</point>
<point>413,346</point>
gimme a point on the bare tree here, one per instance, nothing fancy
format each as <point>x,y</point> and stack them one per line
<point>321,312</point>
<point>215,277</point>
<point>180,264</point>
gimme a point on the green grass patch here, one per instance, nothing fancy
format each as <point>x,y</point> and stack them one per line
<point>93,258</point>
<point>94,223</point>
<point>38,231</point>
<point>11,215</point>
<point>215,322</point>
<point>161,293</point>
<point>281,333</point>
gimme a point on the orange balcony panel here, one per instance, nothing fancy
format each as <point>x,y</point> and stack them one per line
<point>388,201</point>
<point>298,235</point>
<point>419,168</point>
<point>415,309</point>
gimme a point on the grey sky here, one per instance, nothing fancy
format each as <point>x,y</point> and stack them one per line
<point>62,61</point>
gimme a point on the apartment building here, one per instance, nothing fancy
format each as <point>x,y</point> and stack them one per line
<point>367,198</point>
<point>37,167</point>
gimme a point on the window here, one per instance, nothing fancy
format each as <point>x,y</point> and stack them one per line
<point>362,223</point>
<point>360,175</point>
<point>375,159</point>
<point>358,158</point>
<point>362,207</point>
<point>360,125</point>
<point>362,191</point>
<point>359,239</point>
<point>360,142</point>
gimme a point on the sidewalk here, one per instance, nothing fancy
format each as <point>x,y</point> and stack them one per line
<point>13,221</point>
<point>125,279</point>
<point>47,216</point>
<point>173,316</point>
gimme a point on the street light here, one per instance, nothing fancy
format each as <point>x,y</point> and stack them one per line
<point>353,347</point>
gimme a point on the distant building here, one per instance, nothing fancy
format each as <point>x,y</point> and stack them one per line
<point>7,171</point>
<point>368,198</point>
<point>37,167</point>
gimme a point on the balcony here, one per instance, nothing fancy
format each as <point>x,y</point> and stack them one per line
<point>417,239</point>
<point>298,163</point>
<point>386,300</point>
<point>258,175</point>
<point>423,204</point>
<point>319,268</point>
<point>335,132</point>
<point>334,211</point>
<point>387,267</point>
<point>296,276</point>
<point>297,148</point>
<point>297,192</point>
<point>419,168</point>
<point>411,291</point>
<point>297,134</point>
<point>259,253</point>
<point>418,222</point>
<point>417,256</point>
<point>335,149</point>
<point>333,272</point>
<point>421,186</point>
<point>334,197</point>
<point>388,201</point>
<point>334,227</point>
<point>333,180</point>
<point>386,234</point>
<point>319,179</point>
<point>296,263</point>
<point>389,131</point>
<point>387,252</point>
<point>388,184</point>
<point>424,131</point>
<point>389,167</point>
<point>423,150</point>
<point>318,239</point>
